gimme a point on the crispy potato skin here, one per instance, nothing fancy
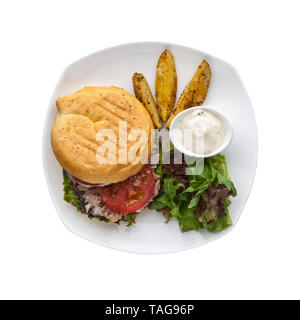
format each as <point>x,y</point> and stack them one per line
<point>165,84</point>
<point>195,92</point>
<point>143,93</point>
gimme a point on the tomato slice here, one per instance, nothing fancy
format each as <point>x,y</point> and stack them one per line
<point>86,184</point>
<point>129,195</point>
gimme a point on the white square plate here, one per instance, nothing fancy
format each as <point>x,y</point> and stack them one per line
<point>115,66</point>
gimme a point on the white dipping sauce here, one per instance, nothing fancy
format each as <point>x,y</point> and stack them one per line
<point>203,131</point>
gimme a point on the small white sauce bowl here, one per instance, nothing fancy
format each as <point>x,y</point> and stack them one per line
<point>175,125</point>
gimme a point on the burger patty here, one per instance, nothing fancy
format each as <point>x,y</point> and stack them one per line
<point>92,205</point>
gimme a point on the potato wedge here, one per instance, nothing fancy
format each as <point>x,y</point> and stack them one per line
<point>165,84</point>
<point>195,92</point>
<point>143,93</point>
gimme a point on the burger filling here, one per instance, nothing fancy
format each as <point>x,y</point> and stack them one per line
<point>115,202</point>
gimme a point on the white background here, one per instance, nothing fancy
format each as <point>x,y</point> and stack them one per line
<point>39,258</point>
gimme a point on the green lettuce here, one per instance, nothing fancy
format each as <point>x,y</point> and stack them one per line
<point>131,218</point>
<point>69,194</point>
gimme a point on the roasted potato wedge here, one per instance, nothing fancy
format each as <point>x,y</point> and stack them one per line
<point>165,84</point>
<point>195,92</point>
<point>143,93</point>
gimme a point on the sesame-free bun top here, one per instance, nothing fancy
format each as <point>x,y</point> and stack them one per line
<point>80,116</point>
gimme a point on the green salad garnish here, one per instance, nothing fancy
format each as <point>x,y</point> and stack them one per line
<point>199,200</point>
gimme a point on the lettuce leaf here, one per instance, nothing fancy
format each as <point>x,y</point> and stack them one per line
<point>188,220</point>
<point>131,218</point>
<point>69,194</point>
<point>222,222</point>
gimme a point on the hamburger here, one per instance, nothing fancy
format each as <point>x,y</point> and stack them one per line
<point>95,139</point>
